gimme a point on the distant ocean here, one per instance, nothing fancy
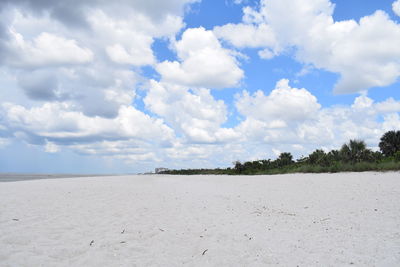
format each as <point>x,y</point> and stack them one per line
<point>13,177</point>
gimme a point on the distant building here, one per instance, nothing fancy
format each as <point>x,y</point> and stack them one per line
<point>158,170</point>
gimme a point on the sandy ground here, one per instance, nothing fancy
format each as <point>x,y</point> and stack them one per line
<point>350,219</point>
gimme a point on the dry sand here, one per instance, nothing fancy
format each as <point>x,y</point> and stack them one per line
<point>347,219</point>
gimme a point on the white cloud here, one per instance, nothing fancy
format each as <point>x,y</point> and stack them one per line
<point>127,41</point>
<point>251,15</point>
<point>286,118</point>
<point>45,50</point>
<point>94,90</point>
<point>267,53</point>
<point>338,124</point>
<point>74,14</point>
<point>290,117</point>
<point>247,35</point>
<point>396,7</point>
<point>93,68</point>
<point>388,106</point>
<point>283,105</point>
<point>196,114</point>
<point>274,119</point>
<point>391,122</point>
<point>204,63</point>
<point>371,49</point>
<point>78,66</point>
<point>50,147</point>
<point>365,53</point>
<point>135,56</point>
<point>59,123</point>
<point>362,102</point>
<point>4,142</point>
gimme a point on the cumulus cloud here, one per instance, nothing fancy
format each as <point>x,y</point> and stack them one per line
<point>73,13</point>
<point>365,53</point>
<point>92,66</point>
<point>195,114</point>
<point>119,54</point>
<point>58,123</point>
<point>203,62</point>
<point>283,105</point>
<point>371,51</point>
<point>273,119</point>
<point>246,35</point>
<point>127,41</point>
<point>291,119</point>
<point>78,64</point>
<point>39,85</point>
<point>45,50</point>
<point>396,7</point>
<point>335,125</point>
<point>51,147</point>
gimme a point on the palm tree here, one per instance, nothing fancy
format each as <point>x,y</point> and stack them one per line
<point>333,155</point>
<point>354,151</point>
<point>390,143</point>
<point>285,158</point>
<point>239,167</point>
<point>317,157</point>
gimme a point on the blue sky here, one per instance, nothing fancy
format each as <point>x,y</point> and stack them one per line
<point>97,87</point>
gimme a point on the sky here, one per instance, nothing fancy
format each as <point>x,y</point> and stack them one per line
<point>93,86</point>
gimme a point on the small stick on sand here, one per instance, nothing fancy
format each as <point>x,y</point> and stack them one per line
<point>204,252</point>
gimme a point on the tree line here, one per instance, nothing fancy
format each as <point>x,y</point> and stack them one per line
<point>352,156</point>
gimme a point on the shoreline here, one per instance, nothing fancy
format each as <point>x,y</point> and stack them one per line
<point>21,177</point>
<point>14,177</point>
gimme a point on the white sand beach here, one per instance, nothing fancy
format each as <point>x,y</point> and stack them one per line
<point>347,219</point>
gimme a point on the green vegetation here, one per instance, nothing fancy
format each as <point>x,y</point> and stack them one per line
<point>353,156</point>
<point>390,143</point>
